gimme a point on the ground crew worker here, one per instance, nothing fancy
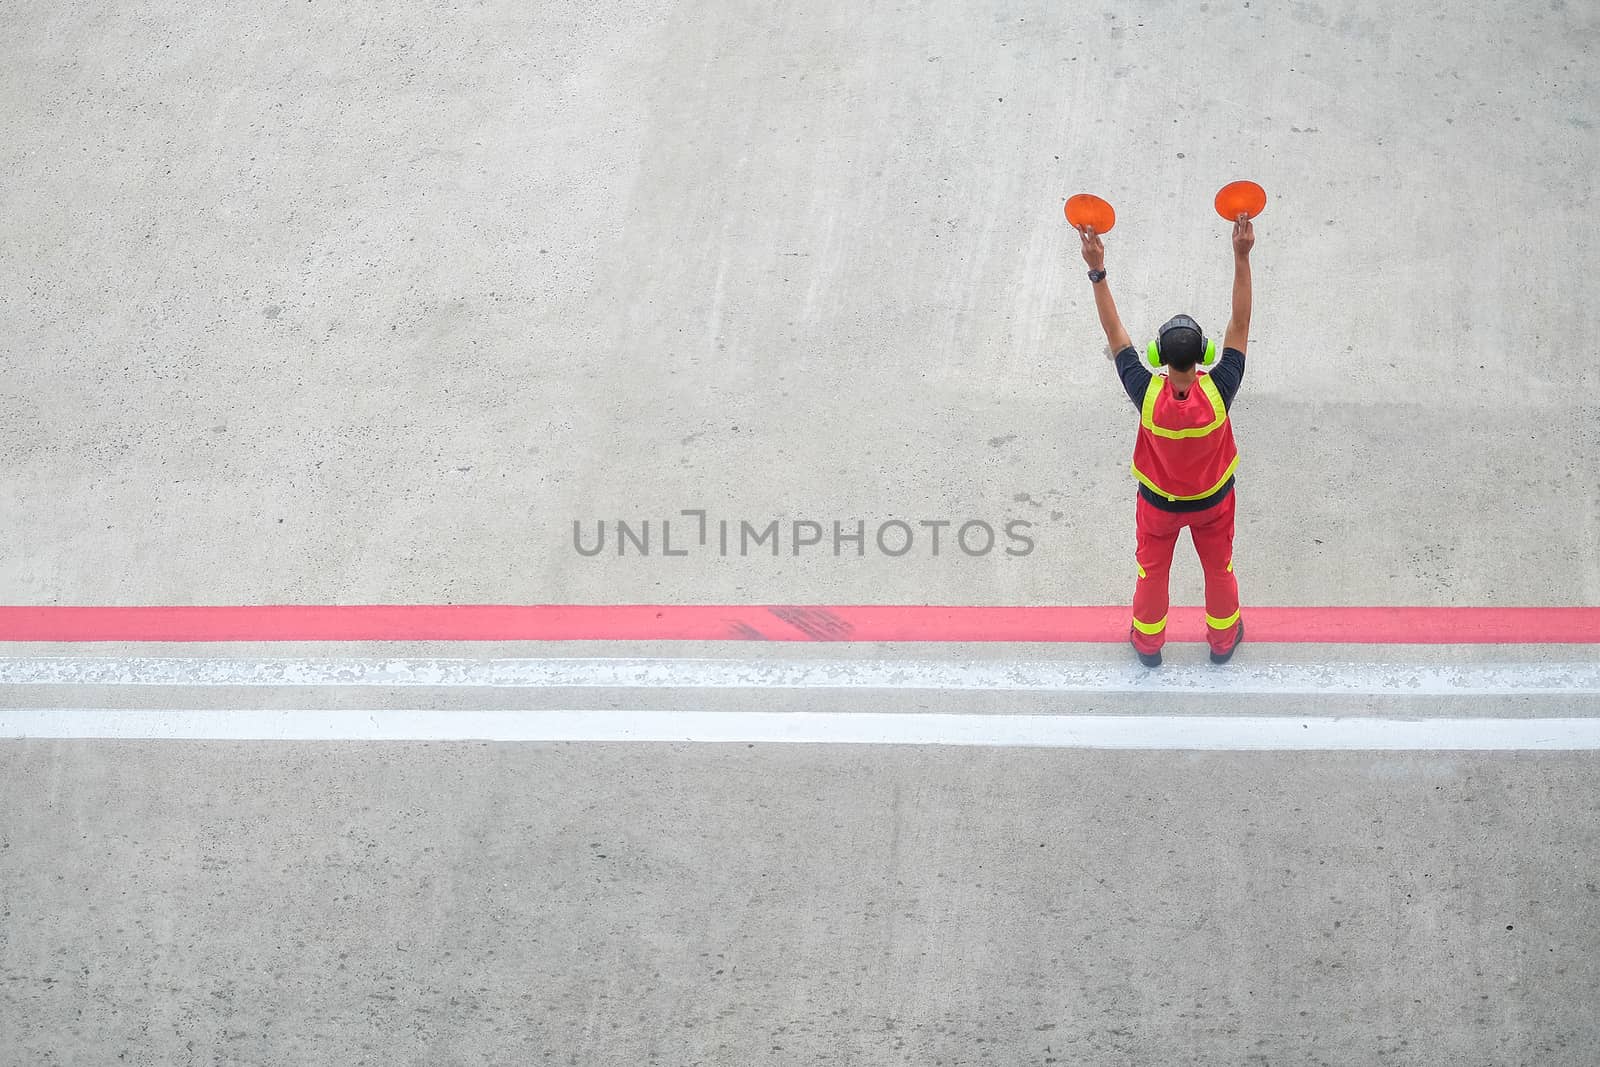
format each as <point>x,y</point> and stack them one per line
<point>1184,457</point>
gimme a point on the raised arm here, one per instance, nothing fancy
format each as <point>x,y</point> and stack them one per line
<point>1244,237</point>
<point>1094,254</point>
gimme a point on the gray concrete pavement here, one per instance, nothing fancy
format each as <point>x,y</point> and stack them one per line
<point>442,904</point>
<point>393,295</point>
<point>369,304</point>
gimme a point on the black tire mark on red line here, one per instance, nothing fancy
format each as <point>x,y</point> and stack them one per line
<point>819,624</point>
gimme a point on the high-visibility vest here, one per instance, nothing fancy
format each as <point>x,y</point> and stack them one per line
<point>1185,449</point>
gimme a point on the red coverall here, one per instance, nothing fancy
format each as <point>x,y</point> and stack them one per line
<point>1185,452</point>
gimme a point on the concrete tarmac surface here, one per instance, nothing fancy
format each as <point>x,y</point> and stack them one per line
<point>397,303</point>
<point>466,904</point>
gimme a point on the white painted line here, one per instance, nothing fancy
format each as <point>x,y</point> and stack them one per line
<point>1185,732</point>
<point>1327,679</point>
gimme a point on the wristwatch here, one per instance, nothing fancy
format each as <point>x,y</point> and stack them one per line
<point>1097,276</point>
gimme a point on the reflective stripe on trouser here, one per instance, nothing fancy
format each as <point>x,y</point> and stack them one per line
<point>1212,532</point>
<point>1150,628</point>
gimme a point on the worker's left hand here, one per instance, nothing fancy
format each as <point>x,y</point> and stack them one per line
<point>1094,251</point>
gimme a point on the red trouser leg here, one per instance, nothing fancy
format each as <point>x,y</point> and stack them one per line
<point>1158,533</point>
<point>1212,530</point>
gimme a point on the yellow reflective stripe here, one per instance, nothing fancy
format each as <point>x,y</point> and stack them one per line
<point>1150,628</point>
<point>1219,410</point>
<point>1214,394</point>
<point>1222,624</point>
<point>1147,412</point>
<point>1154,488</point>
<point>1230,566</point>
<point>1141,570</point>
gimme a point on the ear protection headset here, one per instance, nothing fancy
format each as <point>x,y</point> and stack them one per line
<point>1180,322</point>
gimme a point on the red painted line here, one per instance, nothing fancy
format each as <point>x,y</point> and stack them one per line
<point>755,622</point>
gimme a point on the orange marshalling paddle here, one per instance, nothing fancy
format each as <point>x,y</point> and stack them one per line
<point>1086,209</point>
<point>1240,197</point>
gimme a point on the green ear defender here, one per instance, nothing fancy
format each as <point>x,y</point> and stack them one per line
<point>1153,356</point>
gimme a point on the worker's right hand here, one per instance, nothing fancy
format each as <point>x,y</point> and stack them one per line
<point>1094,251</point>
<point>1244,235</point>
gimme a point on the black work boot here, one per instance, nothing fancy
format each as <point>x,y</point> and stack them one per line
<point>1149,659</point>
<point>1223,657</point>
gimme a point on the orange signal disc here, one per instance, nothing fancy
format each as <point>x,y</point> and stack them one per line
<point>1086,209</point>
<point>1240,196</point>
